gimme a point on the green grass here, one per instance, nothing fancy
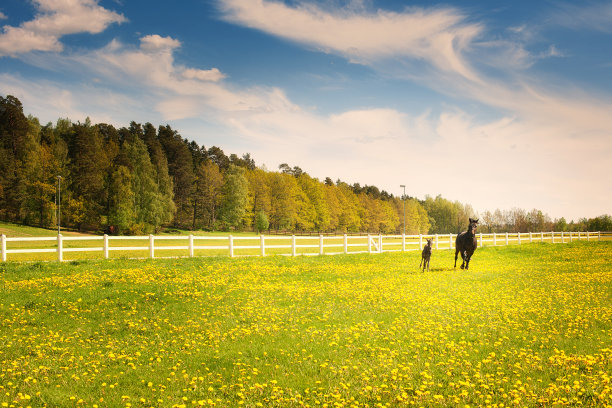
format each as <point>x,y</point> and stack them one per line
<point>18,230</point>
<point>528,325</point>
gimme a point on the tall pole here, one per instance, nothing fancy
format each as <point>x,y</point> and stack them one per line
<point>404,200</point>
<point>59,203</point>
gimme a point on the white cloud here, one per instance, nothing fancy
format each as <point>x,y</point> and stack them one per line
<point>3,16</point>
<point>150,70</point>
<point>438,35</point>
<point>213,74</point>
<point>49,101</point>
<point>157,43</point>
<point>55,19</point>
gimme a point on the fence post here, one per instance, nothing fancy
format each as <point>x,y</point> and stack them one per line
<point>369,245</point>
<point>578,235</point>
<point>552,234</point>
<point>105,246</point>
<point>562,240</point>
<point>151,246</point>
<point>231,246</point>
<point>437,246</point>
<point>518,234</point>
<point>599,235</point>
<point>380,244</point>
<point>262,245</point>
<point>320,244</point>
<point>420,241</point>
<point>345,244</point>
<point>480,239</point>
<point>403,242</point>
<point>494,239</point>
<point>570,234</point>
<point>450,240</point>
<point>3,247</point>
<point>506,238</point>
<point>530,237</point>
<point>60,249</point>
<point>293,252</point>
<point>588,236</point>
<point>191,252</point>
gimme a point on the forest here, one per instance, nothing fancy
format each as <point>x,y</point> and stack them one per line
<point>145,179</point>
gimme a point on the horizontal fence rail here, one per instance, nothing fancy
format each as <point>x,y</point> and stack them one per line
<point>166,246</point>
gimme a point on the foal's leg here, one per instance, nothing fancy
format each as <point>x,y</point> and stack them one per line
<point>463,256</point>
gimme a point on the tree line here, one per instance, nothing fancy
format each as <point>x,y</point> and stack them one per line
<point>140,179</point>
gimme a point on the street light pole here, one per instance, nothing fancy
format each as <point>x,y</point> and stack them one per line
<point>404,200</point>
<point>59,203</point>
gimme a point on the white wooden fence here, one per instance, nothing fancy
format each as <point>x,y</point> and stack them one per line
<point>262,245</point>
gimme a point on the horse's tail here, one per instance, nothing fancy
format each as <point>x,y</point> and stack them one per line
<point>456,253</point>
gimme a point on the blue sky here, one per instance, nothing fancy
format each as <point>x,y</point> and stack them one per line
<point>495,104</point>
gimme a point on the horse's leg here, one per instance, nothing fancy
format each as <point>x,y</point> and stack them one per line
<point>463,256</point>
<point>456,252</point>
<point>421,262</point>
<point>468,256</point>
<point>428,260</point>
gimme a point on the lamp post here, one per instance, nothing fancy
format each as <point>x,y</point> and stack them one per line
<point>59,203</point>
<point>404,200</point>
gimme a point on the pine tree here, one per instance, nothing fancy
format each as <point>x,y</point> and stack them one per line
<point>181,171</point>
<point>88,173</point>
<point>14,149</point>
<point>162,176</point>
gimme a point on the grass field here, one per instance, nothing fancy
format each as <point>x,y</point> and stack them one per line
<point>528,325</point>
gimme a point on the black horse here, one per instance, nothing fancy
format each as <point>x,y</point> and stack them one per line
<point>426,256</point>
<point>466,244</point>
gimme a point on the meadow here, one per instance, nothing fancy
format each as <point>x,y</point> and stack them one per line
<point>527,325</point>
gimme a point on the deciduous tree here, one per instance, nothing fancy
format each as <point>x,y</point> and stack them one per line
<point>235,197</point>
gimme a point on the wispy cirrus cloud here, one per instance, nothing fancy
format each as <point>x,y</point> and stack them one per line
<point>596,16</point>
<point>54,19</point>
<point>438,36</point>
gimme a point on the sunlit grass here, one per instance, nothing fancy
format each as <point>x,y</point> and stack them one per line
<point>526,326</point>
